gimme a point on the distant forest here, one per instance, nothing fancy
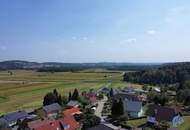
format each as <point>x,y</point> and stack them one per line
<point>74,67</point>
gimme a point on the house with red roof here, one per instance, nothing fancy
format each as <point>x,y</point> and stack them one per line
<point>66,123</point>
<point>90,96</point>
<point>72,111</point>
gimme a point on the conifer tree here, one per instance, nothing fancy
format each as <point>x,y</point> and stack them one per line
<point>75,95</point>
<point>111,92</point>
<point>70,96</point>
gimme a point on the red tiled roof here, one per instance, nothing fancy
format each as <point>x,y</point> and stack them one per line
<point>92,99</point>
<point>55,124</point>
<point>72,111</point>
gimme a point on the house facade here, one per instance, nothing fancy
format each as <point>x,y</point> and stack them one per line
<point>13,118</point>
<point>52,110</point>
<point>133,109</point>
<point>73,103</point>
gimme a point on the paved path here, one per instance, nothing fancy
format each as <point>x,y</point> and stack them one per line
<point>100,107</point>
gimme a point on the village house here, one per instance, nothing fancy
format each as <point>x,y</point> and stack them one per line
<point>133,109</point>
<point>13,118</point>
<point>52,110</point>
<point>4,124</point>
<point>73,103</point>
<point>65,123</point>
<point>156,113</point>
<point>129,90</point>
<point>90,96</point>
<point>106,90</point>
<point>72,111</point>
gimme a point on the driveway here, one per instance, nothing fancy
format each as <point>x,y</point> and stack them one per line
<point>100,107</point>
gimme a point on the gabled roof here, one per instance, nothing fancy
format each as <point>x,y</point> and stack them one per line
<point>133,106</point>
<point>11,117</point>
<point>116,91</point>
<point>162,113</point>
<point>72,111</point>
<point>60,124</point>
<point>51,108</point>
<point>3,123</point>
<point>129,89</point>
<point>73,103</point>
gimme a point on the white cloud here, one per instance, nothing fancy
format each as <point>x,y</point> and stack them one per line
<point>85,38</point>
<point>130,40</point>
<point>151,32</point>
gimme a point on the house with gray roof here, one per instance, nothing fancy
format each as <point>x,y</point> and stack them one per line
<point>4,124</point>
<point>12,118</point>
<point>73,103</point>
<point>133,109</point>
<point>52,110</point>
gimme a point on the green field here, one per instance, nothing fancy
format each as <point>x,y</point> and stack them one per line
<point>26,89</point>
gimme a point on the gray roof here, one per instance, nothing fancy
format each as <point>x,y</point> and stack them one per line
<point>3,123</point>
<point>52,107</point>
<point>73,103</point>
<point>11,117</point>
<point>133,106</point>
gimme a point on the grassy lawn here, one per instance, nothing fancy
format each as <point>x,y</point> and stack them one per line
<point>186,124</point>
<point>136,123</point>
<point>122,84</point>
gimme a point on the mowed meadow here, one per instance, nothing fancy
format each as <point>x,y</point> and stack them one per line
<point>26,88</point>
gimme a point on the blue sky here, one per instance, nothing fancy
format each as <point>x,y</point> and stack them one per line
<point>95,30</point>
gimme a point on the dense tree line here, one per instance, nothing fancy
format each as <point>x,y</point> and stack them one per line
<point>167,74</point>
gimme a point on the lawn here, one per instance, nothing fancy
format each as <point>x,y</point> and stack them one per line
<point>137,122</point>
<point>186,124</point>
